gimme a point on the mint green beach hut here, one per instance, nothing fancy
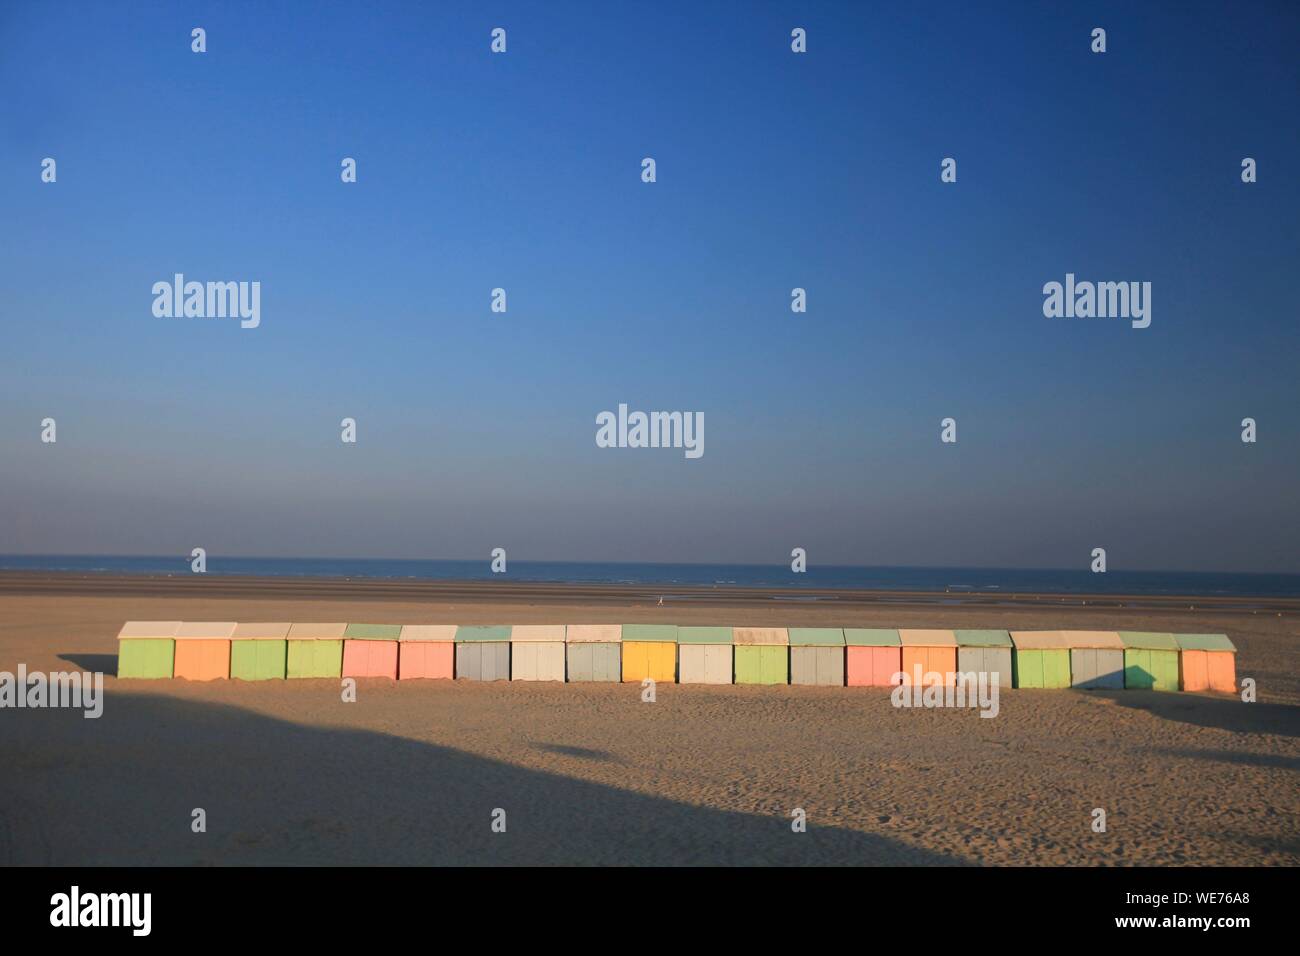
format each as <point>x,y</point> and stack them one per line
<point>1150,660</point>
<point>147,649</point>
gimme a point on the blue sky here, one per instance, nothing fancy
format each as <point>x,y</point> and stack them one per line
<point>775,170</point>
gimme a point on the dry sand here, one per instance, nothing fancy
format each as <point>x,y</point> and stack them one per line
<point>411,773</point>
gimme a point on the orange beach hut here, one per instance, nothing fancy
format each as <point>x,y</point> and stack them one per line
<point>426,651</point>
<point>203,650</point>
<point>1207,662</point>
<point>933,651</point>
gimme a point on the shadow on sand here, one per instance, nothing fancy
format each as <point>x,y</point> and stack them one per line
<point>582,753</point>
<point>1244,758</point>
<point>122,790</point>
<point>105,664</point>
<point>1210,710</point>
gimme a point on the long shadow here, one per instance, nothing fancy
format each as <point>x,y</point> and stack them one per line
<point>1244,758</point>
<point>1269,844</point>
<point>584,753</point>
<point>1204,710</point>
<point>103,663</point>
<point>122,789</point>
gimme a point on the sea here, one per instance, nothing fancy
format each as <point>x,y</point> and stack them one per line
<point>832,577</point>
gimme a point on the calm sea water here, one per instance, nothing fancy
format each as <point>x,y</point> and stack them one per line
<point>741,575</point>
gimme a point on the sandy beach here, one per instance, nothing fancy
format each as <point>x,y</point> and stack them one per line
<point>411,773</point>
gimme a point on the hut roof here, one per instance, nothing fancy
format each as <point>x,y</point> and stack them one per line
<point>594,633</point>
<point>921,637</point>
<point>761,635</point>
<point>983,638</point>
<point>427,633</point>
<point>871,637</point>
<point>316,632</point>
<point>816,637</point>
<point>650,632</point>
<point>256,631</point>
<point>205,630</point>
<point>478,633</point>
<point>148,629</point>
<point>1204,642</point>
<point>537,633</point>
<point>373,632</point>
<point>704,635</point>
<point>1149,640</point>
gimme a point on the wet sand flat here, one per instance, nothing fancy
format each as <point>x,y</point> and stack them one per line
<point>411,773</point>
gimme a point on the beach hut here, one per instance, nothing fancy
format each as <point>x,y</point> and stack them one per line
<point>315,650</point>
<point>1150,660</point>
<point>650,651</point>
<point>537,652</point>
<point>873,656</point>
<point>934,652</point>
<point>1207,662</point>
<point>1041,659</point>
<point>594,652</point>
<point>426,651</point>
<point>258,651</point>
<point>986,652</point>
<point>762,655</point>
<point>817,656</point>
<point>370,650</point>
<point>483,652</point>
<point>146,649</point>
<point>704,655</point>
<point>203,650</point>
<point>1096,659</point>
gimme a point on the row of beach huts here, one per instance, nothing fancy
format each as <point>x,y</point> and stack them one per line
<point>826,656</point>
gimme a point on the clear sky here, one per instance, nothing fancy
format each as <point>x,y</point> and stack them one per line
<point>775,170</point>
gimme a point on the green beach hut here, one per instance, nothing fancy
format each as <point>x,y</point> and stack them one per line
<point>762,655</point>
<point>1041,659</point>
<point>1150,660</point>
<point>315,650</point>
<point>147,649</point>
<point>259,651</point>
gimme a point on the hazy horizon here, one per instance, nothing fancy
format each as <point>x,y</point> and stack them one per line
<point>215,561</point>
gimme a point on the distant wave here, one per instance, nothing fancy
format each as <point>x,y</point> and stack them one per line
<point>954,580</point>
